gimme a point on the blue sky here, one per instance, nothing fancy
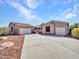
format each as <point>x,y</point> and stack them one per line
<point>38,11</point>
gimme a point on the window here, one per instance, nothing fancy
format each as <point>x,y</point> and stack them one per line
<point>48,29</point>
<point>11,29</point>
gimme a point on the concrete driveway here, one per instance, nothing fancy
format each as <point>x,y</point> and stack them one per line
<point>49,47</point>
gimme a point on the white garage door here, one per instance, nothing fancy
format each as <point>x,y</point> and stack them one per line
<point>61,31</point>
<point>25,31</point>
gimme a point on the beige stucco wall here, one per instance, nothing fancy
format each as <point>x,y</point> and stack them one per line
<point>51,29</point>
<point>15,29</point>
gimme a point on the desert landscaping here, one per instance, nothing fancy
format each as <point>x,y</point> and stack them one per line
<point>11,47</point>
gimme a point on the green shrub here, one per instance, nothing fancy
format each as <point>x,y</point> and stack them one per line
<point>75,32</point>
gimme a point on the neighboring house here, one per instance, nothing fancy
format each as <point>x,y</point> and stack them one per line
<point>20,28</point>
<point>56,28</point>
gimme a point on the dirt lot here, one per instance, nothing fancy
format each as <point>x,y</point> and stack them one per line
<point>11,47</point>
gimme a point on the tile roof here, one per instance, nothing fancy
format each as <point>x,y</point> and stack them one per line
<point>53,21</point>
<point>20,24</point>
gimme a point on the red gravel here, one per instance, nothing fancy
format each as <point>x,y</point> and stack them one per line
<point>13,52</point>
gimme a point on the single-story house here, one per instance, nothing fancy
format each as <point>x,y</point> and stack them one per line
<point>56,28</point>
<point>20,28</point>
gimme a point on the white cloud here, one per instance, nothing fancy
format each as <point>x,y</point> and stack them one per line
<point>76,7</point>
<point>70,15</point>
<point>66,11</point>
<point>73,11</point>
<point>34,3</point>
<point>24,12</point>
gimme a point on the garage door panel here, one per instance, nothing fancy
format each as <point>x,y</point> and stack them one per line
<point>25,31</point>
<point>60,31</point>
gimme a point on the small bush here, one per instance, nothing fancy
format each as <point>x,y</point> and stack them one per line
<point>75,33</point>
<point>4,34</point>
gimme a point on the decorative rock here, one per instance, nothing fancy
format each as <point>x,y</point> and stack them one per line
<point>7,44</point>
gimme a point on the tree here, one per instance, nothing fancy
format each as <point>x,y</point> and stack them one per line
<point>73,26</point>
<point>75,32</point>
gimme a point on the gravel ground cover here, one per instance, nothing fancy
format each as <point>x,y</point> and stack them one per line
<point>11,47</point>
